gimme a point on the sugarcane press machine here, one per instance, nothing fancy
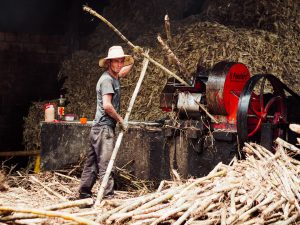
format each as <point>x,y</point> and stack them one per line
<point>229,104</point>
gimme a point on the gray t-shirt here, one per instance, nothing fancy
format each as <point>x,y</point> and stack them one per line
<point>107,85</point>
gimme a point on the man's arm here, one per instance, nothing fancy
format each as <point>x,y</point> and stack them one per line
<point>125,70</point>
<point>109,108</point>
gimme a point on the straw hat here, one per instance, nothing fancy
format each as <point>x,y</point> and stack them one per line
<point>115,52</point>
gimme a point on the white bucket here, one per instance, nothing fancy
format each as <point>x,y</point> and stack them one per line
<point>49,113</point>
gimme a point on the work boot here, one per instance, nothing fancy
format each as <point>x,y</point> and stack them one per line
<point>84,195</point>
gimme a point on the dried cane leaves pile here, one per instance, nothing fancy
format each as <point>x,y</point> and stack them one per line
<point>196,42</point>
<point>281,17</point>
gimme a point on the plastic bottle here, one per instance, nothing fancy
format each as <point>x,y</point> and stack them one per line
<point>61,107</point>
<point>49,113</point>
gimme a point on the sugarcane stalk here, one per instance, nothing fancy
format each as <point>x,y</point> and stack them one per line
<point>152,215</point>
<point>287,145</point>
<point>137,49</point>
<point>120,137</point>
<point>232,209</point>
<point>81,202</point>
<point>124,216</point>
<point>35,180</point>
<point>232,218</point>
<point>168,214</point>
<point>191,221</point>
<point>205,208</point>
<point>161,185</point>
<point>295,127</point>
<point>106,215</point>
<point>199,205</point>
<point>285,184</point>
<point>146,221</point>
<point>183,71</point>
<point>65,176</point>
<point>253,221</point>
<point>202,179</point>
<point>272,207</point>
<point>148,213</point>
<point>127,206</point>
<point>202,107</point>
<point>243,217</point>
<point>63,215</point>
<point>159,199</point>
<point>223,214</point>
<point>273,218</point>
<point>140,202</point>
<point>168,29</point>
<point>286,210</point>
<point>289,220</point>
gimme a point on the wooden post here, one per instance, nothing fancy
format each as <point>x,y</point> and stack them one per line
<point>120,137</point>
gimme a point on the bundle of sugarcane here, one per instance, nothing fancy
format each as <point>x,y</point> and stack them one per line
<point>264,188</point>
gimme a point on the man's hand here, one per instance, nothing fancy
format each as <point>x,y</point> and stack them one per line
<point>125,70</point>
<point>123,126</point>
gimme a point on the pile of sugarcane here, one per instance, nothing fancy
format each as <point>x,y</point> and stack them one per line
<point>262,189</point>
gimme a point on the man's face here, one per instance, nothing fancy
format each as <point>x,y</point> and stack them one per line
<point>116,64</point>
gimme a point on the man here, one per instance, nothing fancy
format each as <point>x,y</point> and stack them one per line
<point>107,115</point>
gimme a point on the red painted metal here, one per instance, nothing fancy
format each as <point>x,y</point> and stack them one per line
<point>260,113</point>
<point>225,83</point>
<point>235,81</point>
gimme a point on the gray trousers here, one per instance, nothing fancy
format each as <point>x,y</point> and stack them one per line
<point>102,140</point>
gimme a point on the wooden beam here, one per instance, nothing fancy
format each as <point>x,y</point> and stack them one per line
<point>19,153</point>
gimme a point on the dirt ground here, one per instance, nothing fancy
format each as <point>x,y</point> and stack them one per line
<point>39,191</point>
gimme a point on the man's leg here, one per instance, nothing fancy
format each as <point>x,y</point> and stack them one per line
<point>107,147</point>
<point>90,171</point>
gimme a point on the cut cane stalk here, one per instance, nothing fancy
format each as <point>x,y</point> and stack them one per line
<point>286,210</point>
<point>288,221</point>
<point>232,209</point>
<point>149,204</point>
<point>201,222</point>
<point>201,204</point>
<point>233,218</point>
<point>151,212</point>
<point>170,213</point>
<point>44,213</point>
<point>223,215</point>
<point>265,213</point>
<point>147,221</point>
<point>246,214</point>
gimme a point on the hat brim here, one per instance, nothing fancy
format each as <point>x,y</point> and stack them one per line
<point>128,61</point>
